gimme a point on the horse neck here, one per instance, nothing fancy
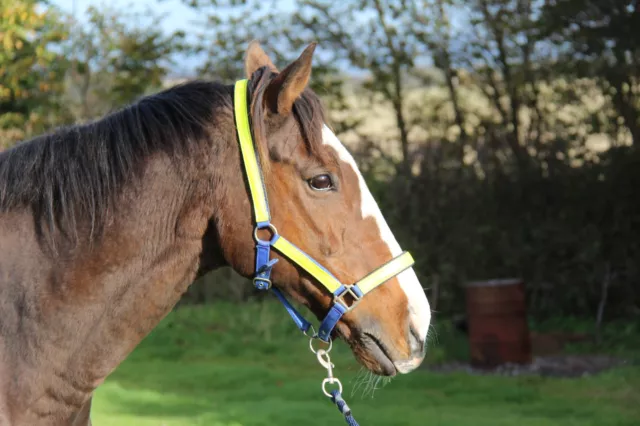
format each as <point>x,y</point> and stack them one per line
<point>89,311</point>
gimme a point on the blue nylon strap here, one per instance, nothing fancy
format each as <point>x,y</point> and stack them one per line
<point>336,312</point>
<point>298,319</point>
<point>262,279</point>
<point>265,224</point>
<point>264,263</point>
<point>329,322</point>
<point>356,290</point>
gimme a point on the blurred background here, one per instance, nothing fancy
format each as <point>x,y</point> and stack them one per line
<point>500,138</point>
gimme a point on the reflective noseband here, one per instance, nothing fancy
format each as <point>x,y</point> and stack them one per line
<point>345,296</point>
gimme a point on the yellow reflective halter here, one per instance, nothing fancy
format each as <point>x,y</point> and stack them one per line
<point>264,264</point>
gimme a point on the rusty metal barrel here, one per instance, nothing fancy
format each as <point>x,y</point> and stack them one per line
<point>497,322</point>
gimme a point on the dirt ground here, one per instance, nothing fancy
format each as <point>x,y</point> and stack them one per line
<point>548,366</point>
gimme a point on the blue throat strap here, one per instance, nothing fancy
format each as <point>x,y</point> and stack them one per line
<point>298,319</point>
<point>264,263</point>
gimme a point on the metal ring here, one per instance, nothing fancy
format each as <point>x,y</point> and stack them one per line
<point>270,227</point>
<point>313,349</point>
<point>332,381</point>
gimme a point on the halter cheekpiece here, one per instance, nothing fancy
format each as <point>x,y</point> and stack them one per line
<point>345,296</point>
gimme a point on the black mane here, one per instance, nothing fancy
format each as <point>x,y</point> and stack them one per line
<point>76,171</point>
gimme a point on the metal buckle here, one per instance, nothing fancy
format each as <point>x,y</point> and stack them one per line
<point>340,298</point>
<point>262,283</point>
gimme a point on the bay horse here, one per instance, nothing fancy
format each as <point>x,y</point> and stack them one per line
<point>103,226</point>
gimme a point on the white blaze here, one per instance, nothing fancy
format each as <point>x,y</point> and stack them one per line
<point>418,305</point>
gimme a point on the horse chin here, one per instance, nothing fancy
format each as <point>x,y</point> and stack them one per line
<point>372,354</point>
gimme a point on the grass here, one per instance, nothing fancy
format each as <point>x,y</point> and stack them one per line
<point>226,365</point>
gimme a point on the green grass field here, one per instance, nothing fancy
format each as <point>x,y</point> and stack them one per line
<point>226,365</point>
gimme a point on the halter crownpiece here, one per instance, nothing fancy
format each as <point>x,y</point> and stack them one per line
<point>345,296</point>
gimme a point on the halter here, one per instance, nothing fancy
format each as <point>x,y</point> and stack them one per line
<point>345,296</point>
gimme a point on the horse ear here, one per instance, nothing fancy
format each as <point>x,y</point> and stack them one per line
<point>287,86</point>
<point>255,58</point>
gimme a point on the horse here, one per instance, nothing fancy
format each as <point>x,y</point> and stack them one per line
<point>104,225</point>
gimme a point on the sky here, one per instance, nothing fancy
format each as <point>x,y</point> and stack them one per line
<point>179,16</point>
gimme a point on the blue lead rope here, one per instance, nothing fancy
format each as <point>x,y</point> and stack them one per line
<point>337,399</point>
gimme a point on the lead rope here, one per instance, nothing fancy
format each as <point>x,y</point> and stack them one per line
<point>336,394</point>
<point>336,397</point>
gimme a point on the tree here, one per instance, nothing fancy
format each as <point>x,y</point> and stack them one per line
<point>231,25</point>
<point>31,68</point>
<point>372,36</point>
<point>229,28</point>
<point>116,58</point>
<point>600,40</point>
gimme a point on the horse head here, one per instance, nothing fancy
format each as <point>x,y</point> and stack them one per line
<point>319,201</point>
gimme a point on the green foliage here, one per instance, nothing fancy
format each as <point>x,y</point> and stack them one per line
<point>116,58</point>
<point>230,27</point>
<point>247,365</point>
<point>54,71</point>
<point>620,337</point>
<point>600,40</point>
<point>31,68</point>
<point>563,234</point>
<point>499,136</point>
<point>380,37</point>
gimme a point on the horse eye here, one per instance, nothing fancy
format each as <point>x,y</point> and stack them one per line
<point>321,182</point>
